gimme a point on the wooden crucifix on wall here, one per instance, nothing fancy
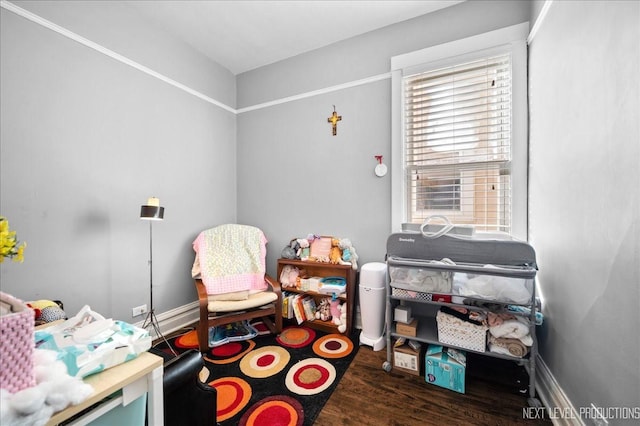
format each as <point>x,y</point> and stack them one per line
<point>334,121</point>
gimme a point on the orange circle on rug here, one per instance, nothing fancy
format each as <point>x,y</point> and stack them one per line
<point>229,352</point>
<point>310,376</point>
<point>296,337</point>
<point>233,395</point>
<point>188,340</point>
<point>333,346</point>
<point>278,410</point>
<point>264,362</point>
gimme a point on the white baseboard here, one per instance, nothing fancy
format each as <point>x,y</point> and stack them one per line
<point>175,319</point>
<point>559,408</point>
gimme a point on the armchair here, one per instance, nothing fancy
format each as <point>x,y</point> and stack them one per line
<point>187,401</point>
<point>230,279</point>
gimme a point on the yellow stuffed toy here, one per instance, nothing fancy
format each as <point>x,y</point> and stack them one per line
<point>335,255</point>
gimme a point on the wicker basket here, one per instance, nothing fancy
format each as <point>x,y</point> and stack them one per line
<point>17,345</point>
<point>456,332</point>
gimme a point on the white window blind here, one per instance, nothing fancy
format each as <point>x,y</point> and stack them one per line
<point>457,143</point>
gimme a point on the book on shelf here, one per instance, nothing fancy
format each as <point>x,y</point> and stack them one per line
<point>285,306</point>
<point>309,308</point>
<point>298,309</point>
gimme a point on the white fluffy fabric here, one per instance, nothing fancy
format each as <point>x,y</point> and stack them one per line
<point>55,390</point>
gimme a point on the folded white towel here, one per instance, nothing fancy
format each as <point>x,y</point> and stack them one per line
<point>513,329</point>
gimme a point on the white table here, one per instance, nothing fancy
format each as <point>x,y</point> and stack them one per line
<point>134,378</point>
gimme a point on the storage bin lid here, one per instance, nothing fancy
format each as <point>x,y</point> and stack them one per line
<point>373,274</point>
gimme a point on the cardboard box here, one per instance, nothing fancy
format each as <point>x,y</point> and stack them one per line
<point>445,367</point>
<point>407,359</point>
<point>403,314</point>
<point>407,329</point>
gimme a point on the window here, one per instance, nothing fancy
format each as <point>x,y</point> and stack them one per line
<point>456,131</point>
<point>457,123</point>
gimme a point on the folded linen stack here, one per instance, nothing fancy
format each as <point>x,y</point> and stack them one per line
<point>509,334</point>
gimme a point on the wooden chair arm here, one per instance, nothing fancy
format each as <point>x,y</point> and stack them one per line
<point>274,284</point>
<point>203,298</point>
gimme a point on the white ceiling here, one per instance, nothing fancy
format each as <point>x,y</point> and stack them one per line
<point>243,35</point>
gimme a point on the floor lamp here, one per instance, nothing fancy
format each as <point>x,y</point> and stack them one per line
<point>152,212</point>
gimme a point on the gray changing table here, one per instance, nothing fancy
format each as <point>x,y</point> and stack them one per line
<point>412,257</point>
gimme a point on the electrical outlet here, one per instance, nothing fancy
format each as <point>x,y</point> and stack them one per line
<point>598,419</point>
<point>139,310</point>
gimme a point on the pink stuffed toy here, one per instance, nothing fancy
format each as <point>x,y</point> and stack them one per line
<point>339,314</point>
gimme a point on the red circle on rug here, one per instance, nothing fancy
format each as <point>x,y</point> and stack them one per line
<point>229,352</point>
<point>333,346</point>
<point>279,410</point>
<point>310,376</point>
<point>233,394</point>
<point>265,361</point>
<point>225,351</point>
<point>296,337</point>
<point>188,340</point>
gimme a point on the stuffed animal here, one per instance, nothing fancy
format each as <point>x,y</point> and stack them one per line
<point>339,314</point>
<point>290,251</point>
<point>47,311</point>
<point>323,312</point>
<point>289,276</point>
<point>335,255</point>
<point>349,252</point>
<point>303,251</point>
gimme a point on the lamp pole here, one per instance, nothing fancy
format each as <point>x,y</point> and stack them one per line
<point>153,212</point>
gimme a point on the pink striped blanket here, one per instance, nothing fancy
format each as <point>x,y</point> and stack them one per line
<point>231,258</point>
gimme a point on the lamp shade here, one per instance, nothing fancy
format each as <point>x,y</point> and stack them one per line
<point>152,210</point>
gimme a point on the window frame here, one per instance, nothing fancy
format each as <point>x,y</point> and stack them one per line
<point>510,39</point>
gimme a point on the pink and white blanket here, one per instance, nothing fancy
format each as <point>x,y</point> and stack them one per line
<point>231,258</point>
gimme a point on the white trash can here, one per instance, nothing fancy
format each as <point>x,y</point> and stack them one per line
<point>373,277</point>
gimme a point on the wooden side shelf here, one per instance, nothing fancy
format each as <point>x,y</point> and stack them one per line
<point>320,269</point>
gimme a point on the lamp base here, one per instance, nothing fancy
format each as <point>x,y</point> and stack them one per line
<point>152,321</point>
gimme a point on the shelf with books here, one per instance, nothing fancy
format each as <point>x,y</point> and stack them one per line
<point>307,287</point>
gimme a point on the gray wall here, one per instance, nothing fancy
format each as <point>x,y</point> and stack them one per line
<point>85,140</point>
<point>294,178</point>
<point>584,198</point>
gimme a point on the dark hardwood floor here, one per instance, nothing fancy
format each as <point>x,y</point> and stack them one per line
<point>367,395</point>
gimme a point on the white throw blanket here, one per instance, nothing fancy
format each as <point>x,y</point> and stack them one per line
<point>517,328</point>
<point>54,391</point>
<point>492,287</point>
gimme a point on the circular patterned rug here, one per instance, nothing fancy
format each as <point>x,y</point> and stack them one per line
<point>229,352</point>
<point>333,346</point>
<point>277,410</point>
<point>272,380</point>
<point>264,362</point>
<point>296,337</point>
<point>188,340</point>
<point>233,395</point>
<point>310,376</point>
